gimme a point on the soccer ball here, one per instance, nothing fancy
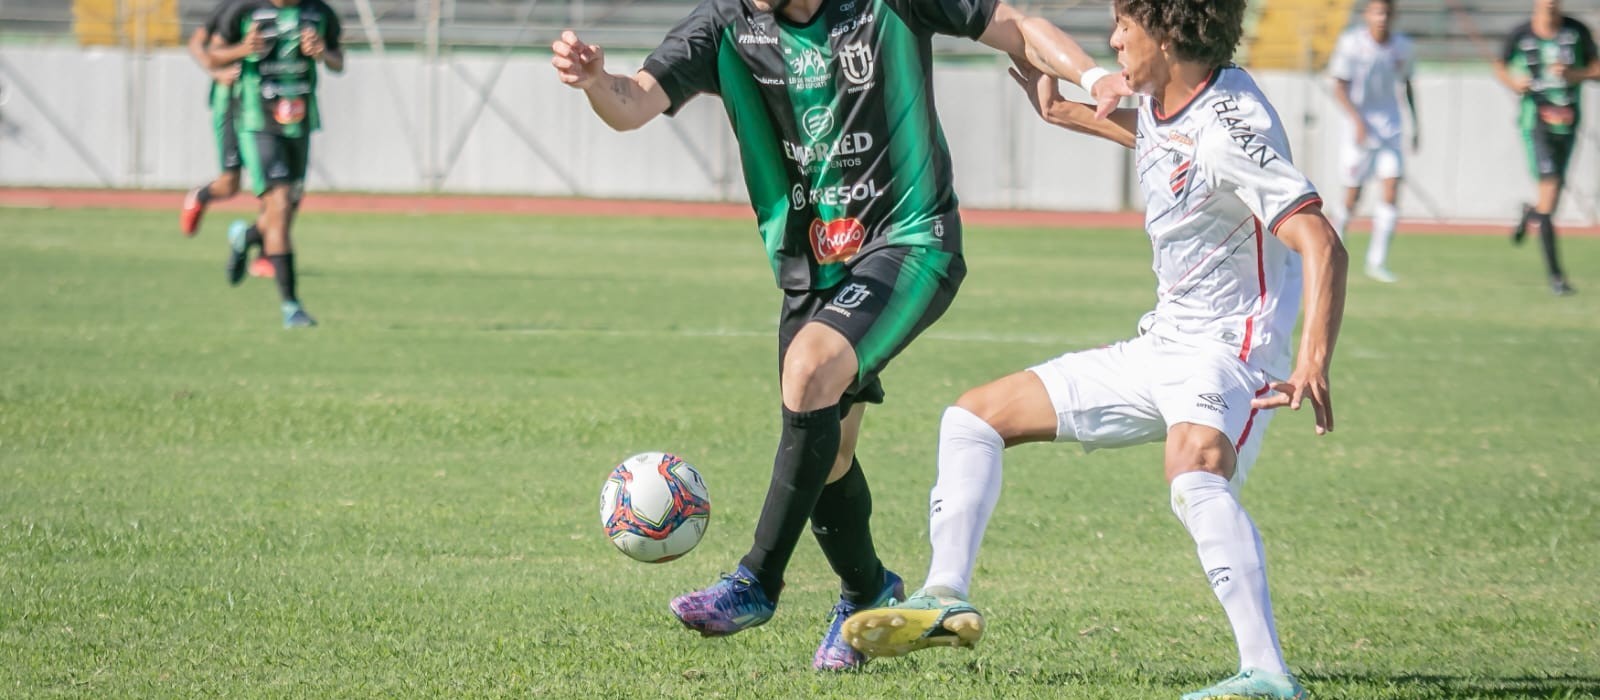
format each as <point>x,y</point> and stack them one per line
<point>654,507</point>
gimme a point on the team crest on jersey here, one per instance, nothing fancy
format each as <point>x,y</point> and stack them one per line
<point>857,61</point>
<point>1180,174</point>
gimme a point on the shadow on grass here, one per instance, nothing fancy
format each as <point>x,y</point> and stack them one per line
<point>1330,684</point>
<point>1526,686</point>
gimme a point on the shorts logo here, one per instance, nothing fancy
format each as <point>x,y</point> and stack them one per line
<point>851,297</point>
<point>836,241</point>
<point>1213,402</point>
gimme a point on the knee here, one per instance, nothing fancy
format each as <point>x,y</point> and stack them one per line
<point>1204,450</point>
<point>815,377</point>
<point>961,423</point>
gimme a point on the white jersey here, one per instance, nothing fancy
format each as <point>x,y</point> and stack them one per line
<point>1375,72</point>
<point>1218,180</point>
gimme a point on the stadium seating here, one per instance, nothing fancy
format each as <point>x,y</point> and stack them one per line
<point>1445,30</point>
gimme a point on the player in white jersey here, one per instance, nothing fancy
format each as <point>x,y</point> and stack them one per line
<point>1239,240</point>
<point>1369,65</point>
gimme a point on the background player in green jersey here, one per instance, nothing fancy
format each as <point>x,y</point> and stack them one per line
<point>278,44</point>
<point>849,176</point>
<point>222,99</point>
<point>1546,60</point>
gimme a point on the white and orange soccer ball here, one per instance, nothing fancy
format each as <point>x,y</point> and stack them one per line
<point>654,507</point>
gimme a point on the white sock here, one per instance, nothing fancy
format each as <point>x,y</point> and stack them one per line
<point>963,497</point>
<point>1338,216</point>
<point>1231,554</point>
<point>1384,217</point>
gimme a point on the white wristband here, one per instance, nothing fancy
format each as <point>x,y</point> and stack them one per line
<point>1090,77</point>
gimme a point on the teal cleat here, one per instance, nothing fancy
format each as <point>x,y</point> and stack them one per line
<point>238,249</point>
<point>1253,683</point>
<point>932,617</point>
<point>294,316</point>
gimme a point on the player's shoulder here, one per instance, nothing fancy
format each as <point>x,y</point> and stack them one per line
<point>1575,24</point>
<point>1235,94</point>
<point>1235,114</point>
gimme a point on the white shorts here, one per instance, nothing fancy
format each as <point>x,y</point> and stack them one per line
<point>1134,391</point>
<point>1362,162</point>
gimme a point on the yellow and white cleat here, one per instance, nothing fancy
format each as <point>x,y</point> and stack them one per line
<point>929,618</point>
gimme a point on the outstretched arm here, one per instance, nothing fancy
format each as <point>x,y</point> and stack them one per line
<point>1326,264</point>
<point>1416,122</point>
<point>1054,53</point>
<point>1118,127</point>
<point>623,102</point>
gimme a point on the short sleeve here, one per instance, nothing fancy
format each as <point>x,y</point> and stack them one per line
<point>335,31</point>
<point>230,25</point>
<point>1508,50</point>
<point>1339,65</point>
<point>685,64</point>
<point>213,25</point>
<point>1249,154</point>
<point>964,18</point>
<point>1586,41</point>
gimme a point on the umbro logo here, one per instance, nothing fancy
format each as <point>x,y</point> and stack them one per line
<point>1219,576</point>
<point>1213,402</point>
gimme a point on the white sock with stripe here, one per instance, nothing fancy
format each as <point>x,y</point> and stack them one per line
<point>963,498</point>
<point>1384,218</point>
<point>1231,554</point>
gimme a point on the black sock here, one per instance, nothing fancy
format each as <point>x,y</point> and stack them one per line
<point>806,451</point>
<point>252,237</point>
<point>203,195</point>
<point>1547,238</point>
<point>841,523</point>
<point>283,266</point>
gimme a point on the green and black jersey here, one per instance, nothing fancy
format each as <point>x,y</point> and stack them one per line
<point>278,89</point>
<point>221,96</point>
<point>1551,103</point>
<point>838,135</point>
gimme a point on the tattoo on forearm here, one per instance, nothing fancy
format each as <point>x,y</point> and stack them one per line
<point>623,88</point>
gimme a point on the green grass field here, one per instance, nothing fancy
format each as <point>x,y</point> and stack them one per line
<point>403,502</point>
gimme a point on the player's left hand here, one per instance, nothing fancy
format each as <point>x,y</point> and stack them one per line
<point>1305,383</point>
<point>311,44</point>
<point>1108,93</point>
<point>1042,90</point>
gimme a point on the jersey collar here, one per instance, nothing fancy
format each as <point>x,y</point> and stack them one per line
<point>1163,120</point>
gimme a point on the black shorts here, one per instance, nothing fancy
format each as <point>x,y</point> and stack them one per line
<point>275,159</point>
<point>1549,153</point>
<point>890,297</point>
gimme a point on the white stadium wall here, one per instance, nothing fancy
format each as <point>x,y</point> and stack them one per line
<point>477,123</point>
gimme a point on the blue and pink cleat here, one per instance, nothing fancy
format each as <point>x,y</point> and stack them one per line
<point>835,652</point>
<point>735,603</point>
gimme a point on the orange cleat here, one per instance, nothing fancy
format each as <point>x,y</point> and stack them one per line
<point>189,220</point>
<point>262,267</point>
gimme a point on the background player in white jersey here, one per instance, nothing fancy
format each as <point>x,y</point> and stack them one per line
<point>1239,238</point>
<point>1369,65</point>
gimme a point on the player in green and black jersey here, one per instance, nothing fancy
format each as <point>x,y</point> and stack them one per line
<point>224,80</point>
<point>1546,61</point>
<point>831,102</point>
<point>278,44</point>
